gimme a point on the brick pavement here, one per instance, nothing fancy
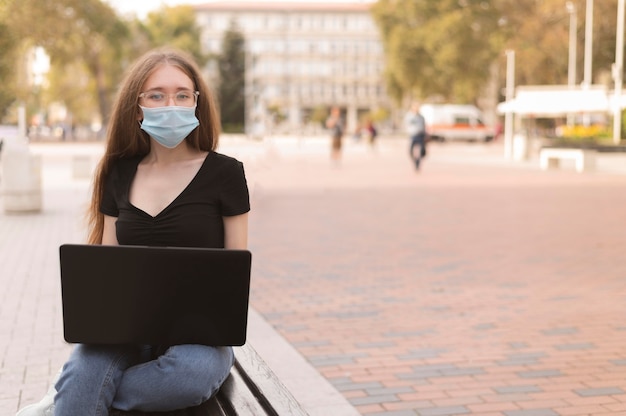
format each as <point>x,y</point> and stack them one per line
<point>473,287</point>
<point>464,289</point>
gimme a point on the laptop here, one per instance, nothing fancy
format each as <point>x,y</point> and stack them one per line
<point>154,295</point>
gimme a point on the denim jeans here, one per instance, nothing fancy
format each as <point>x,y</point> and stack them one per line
<point>418,141</point>
<point>99,377</point>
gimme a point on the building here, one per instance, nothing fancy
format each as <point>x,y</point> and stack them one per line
<point>302,58</point>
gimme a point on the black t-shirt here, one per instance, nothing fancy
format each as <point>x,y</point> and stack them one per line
<point>193,219</point>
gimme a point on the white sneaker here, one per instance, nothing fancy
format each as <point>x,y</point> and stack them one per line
<point>44,408</point>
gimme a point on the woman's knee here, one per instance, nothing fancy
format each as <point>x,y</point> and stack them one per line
<point>89,377</point>
<point>93,363</point>
<point>205,368</point>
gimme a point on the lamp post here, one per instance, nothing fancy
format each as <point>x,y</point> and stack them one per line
<point>618,69</point>
<point>573,22</point>
<point>571,70</point>
<point>588,43</point>
<point>510,94</point>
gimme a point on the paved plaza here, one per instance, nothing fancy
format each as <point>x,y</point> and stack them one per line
<point>476,286</point>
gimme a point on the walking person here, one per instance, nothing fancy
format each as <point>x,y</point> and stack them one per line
<point>372,133</point>
<point>160,183</point>
<point>335,123</point>
<point>415,127</point>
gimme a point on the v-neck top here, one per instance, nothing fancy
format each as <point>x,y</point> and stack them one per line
<point>192,219</point>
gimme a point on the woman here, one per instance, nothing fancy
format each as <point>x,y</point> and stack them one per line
<point>160,183</point>
<point>334,122</point>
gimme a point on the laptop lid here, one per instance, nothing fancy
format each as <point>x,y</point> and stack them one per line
<point>154,295</point>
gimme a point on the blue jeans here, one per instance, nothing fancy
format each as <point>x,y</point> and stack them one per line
<point>417,140</point>
<point>99,377</point>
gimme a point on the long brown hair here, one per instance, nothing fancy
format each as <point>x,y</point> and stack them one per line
<point>125,138</point>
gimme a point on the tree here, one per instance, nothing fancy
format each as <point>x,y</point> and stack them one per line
<point>447,48</point>
<point>541,56</point>
<point>231,66</point>
<point>437,48</point>
<point>9,60</point>
<point>175,27</point>
<point>85,35</point>
<point>90,47</point>
<point>8,75</point>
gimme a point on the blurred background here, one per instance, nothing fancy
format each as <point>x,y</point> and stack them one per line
<point>278,66</point>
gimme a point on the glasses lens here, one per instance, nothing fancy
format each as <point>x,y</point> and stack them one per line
<point>183,98</point>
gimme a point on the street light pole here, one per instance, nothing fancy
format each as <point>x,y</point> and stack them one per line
<point>618,69</point>
<point>573,47</point>
<point>587,75</point>
<point>573,23</point>
<point>510,94</point>
<point>588,43</point>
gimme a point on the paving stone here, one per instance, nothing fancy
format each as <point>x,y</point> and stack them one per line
<point>531,412</point>
<point>357,401</point>
<point>389,390</point>
<point>444,411</point>
<point>573,347</point>
<point>560,331</point>
<point>517,389</point>
<point>349,386</point>
<point>326,361</point>
<point>605,391</point>
<point>421,354</point>
<point>540,373</point>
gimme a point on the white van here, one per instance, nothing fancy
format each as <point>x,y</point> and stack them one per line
<point>455,122</point>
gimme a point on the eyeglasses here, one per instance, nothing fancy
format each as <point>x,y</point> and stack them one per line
<point>183,98</point>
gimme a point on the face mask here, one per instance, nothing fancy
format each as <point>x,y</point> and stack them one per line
<point>169,125</point>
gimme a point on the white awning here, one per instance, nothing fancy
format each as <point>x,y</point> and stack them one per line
<point>554,101</point>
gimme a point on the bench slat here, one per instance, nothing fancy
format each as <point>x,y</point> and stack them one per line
<point>236,399</point>
<point>263,383</point>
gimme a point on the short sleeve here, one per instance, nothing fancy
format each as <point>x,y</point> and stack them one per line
<point>234,195</point>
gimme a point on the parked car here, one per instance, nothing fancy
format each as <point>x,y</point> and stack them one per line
<point>451,122</point>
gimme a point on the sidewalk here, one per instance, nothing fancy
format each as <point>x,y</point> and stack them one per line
<point>476,286</point>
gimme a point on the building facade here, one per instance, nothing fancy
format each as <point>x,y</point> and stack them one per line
<point>301,59</point>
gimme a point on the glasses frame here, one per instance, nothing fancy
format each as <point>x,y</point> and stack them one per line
<point>196,94</point>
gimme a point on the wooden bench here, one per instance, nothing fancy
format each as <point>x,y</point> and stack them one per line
<point>584,159</point>
<point>251,389</point>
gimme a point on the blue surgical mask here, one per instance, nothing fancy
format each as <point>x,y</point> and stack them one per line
<point>169,125</point>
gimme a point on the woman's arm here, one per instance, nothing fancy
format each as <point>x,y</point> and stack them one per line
<point>109,236</point>
<point>236,232</point>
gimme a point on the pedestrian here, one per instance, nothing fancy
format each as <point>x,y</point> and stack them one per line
<point>372,133</point>
<point>160,183</point>
<point>335,123</point>
<point>415,127</point>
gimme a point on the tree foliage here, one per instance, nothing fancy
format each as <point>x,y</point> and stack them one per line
<point>175,27</point>
<point>539,36</point>
<point>8,57</point>
<point>446,48</point>
<point>90,47</point>
<point>83,35</point>
<point>429,43</point>
<point>231,67</point>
